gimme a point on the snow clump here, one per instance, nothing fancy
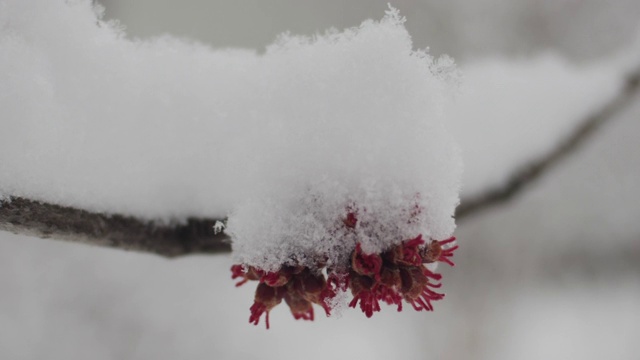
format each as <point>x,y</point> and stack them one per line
<point>359,129</point>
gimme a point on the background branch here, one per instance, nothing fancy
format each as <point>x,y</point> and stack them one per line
<point>196,236</point>
<point>533,171</point>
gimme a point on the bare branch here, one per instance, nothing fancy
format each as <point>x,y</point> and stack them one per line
<point>533,171</point>
<point>23,216</point>
<point>197,236</point>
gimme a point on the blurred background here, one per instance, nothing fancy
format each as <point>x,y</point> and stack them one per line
<point>553,274</point>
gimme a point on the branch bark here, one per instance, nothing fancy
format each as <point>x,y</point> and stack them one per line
<point>28,217</point>
<point>197,236</point>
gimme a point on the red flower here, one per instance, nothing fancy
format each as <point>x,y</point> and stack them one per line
<point>301,308</point>
<point>364,290</point>
<point>368,265</point>
<point>266,298</point>
<point>392,277</point>
<point>435,252</point>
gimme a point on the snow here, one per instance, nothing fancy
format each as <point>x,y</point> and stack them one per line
<point>282,142</point>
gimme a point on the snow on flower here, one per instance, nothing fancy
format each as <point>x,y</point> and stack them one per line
<point>366,186</point>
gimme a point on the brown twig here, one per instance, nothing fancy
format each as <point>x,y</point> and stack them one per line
<point>23,216</point>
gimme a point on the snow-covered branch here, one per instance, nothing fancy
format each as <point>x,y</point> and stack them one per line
<point>106,140</point>
<point>24,216</point>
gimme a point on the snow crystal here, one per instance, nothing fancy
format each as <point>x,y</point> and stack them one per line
<point>339,303</point>
<point>285,142</point>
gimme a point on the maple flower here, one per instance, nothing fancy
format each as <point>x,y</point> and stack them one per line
<point>366,265</point>
<point>266,298</point>
<point>394,276</point>
<point>436,252</point>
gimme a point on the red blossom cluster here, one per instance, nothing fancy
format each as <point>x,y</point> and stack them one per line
<point>298,286</point>
<point>393,276</point>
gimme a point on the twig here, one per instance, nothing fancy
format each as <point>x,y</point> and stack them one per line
<point>534,171</point>
<point>23,216</point>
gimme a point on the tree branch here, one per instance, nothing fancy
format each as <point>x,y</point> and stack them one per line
<point>28,217</point>
<point>534,171</point>
<point>197,236</point>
